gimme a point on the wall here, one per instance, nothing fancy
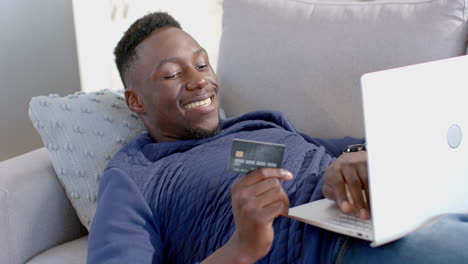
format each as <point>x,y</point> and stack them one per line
<point>37,57</point>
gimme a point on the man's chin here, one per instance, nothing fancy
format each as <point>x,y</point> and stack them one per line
<point>200,133</point>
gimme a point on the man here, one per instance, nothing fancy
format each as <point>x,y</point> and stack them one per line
<point>167,196</point>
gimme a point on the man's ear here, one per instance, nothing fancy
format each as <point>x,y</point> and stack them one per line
<point>133,101</point>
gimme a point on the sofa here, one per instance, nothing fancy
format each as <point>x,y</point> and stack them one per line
<point>302,57</point>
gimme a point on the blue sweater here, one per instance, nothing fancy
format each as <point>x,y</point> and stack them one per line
<point>170,202</point>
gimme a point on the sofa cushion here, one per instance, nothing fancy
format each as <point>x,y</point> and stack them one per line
<point>35,213</point>
<point>81,132</point>
<point>73,252</point>
<point>305,57</point>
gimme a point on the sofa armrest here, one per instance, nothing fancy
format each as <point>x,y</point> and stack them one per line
<point>35,213</point>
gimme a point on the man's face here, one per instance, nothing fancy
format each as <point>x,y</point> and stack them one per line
<point>175,84</point>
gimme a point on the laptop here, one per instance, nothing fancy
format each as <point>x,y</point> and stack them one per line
<point>416,125</point>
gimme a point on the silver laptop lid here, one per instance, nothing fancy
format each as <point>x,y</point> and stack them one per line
<point>416,122</point>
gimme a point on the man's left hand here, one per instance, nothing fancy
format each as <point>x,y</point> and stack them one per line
<point>346,182</point>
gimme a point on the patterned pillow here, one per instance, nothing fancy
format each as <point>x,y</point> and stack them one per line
<point>82,132</point>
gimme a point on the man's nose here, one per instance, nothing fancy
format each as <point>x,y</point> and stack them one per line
<point>196,80</point>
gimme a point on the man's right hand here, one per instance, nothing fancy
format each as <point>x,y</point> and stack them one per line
<point>257,199</point>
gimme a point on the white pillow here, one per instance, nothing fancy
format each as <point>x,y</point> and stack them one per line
<point>82,132</point>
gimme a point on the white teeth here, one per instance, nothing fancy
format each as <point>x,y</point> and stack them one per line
<point>205,102</point>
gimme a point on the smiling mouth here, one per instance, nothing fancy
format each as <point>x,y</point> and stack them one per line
<point>202,103</point>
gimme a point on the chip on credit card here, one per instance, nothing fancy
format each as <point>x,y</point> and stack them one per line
<point>249,155</point>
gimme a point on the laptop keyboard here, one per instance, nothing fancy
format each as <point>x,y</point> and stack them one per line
<point>351,221</point>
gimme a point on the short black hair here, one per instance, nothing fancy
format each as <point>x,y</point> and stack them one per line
<point>125,51</point>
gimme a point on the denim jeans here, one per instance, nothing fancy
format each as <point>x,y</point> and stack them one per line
<point>444,241</point>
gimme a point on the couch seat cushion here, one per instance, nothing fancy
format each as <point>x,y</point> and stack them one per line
<point>73,252</point>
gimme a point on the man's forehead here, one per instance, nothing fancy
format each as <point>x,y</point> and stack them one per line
<point>162,44</point>
<point>165,43</point>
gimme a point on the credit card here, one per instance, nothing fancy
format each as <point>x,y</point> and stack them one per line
<point>249,155</point>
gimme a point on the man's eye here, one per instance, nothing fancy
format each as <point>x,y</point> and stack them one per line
<point>201,67</point>
<point>173,76</point>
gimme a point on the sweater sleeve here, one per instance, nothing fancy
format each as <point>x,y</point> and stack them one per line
<point>334,146</point>
<point>123,229</point>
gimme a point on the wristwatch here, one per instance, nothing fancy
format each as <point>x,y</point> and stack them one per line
<point>355,148</point>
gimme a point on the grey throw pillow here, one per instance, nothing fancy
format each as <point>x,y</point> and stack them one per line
<point>82,132</point>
